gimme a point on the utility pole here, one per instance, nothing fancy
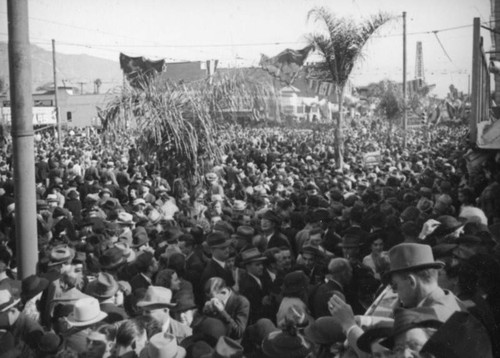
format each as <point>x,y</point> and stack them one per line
<point>476,94</point>
<point>405,117</point>
<point>58,117</point>
<point>468,86</point>
<point>21,100</point>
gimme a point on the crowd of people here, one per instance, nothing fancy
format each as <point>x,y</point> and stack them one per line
<point>276,252</point>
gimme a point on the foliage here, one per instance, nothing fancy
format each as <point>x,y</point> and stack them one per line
<point>179,122</point>
<point>340,42</point>
<point>391,101</point>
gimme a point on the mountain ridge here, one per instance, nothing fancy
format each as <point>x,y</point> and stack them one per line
<point>71,69</point>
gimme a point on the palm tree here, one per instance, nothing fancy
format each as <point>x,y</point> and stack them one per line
<point>97,85</point>
<point>340,43</point>
<point>180,122</point>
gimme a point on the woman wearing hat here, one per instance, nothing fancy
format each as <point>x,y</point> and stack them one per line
<point>287,343</point>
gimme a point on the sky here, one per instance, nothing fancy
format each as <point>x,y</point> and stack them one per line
<point>237,32</point>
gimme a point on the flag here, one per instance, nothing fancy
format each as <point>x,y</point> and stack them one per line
<point>324,88</point>
<point>286,65</point>
<point>136,68</point>
<point>212,67</point>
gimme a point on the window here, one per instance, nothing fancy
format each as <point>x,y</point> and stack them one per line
<point>68,116</point>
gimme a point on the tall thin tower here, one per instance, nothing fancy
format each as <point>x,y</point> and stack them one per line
<point>419,63</point>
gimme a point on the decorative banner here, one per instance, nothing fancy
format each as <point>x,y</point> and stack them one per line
<point>41,115</point>
<point>286,65</point>
<point>325,88</point>
<point>135,68</point>
<point>212,67</point>
<point>371,159</point>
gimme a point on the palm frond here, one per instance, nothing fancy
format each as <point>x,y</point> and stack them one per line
<point>180,121</point>
<point>341,40</point>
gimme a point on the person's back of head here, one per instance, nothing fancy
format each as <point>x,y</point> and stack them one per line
<point>340,270</point>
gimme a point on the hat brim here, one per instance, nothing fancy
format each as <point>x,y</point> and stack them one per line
<point>155,305</point>
<point>440,230</point>
<point>113,265</point>
<point>370,336</point>
<point>435,265</point>
<point>180,353</point>
<point>225,244</point>
<point>255,259</point>
<point>55,263</point>
<point>389,341</point>
<point>14,302</point>
<point>98,318</point>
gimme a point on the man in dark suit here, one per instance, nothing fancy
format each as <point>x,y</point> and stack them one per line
<point>195,264</point>
<point>252,282</point>
<point>231,308</point>
<point>216,267</point>
<point>339,276</point>
<point>146,266</point>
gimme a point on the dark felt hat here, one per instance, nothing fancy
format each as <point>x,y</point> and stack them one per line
<point>226,348</point>
<point>111,258</point>
<point>284,345</point>
<point>49,343</point>
<point>272,216</point>
<point>32,286</point>
<point>448,225</point>
<point>325,331</point>
<point>217,239</point>
<point>295,282</point>
<point>382,329</point>
<point>406,319</point>
<point>260,330</point>
<point>244,232</point>
<point>461,336</point>
<point>251,255</point>
<point>139,237</point>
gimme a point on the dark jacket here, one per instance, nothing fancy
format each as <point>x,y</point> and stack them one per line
<point>213,269</point>
<point>319,299</point>
<point>254,293</point>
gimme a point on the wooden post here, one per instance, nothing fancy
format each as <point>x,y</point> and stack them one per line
<point>58,117</point>
<point>405,115</point>
<point>22,137</point>
<point>476,80</point>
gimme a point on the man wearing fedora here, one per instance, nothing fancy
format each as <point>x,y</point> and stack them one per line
<point>85,316</point>
<point>252,284</point>
<point>106,290</point>
<point>414,277</point>
<point>219,246</point>
<point>157,304</point>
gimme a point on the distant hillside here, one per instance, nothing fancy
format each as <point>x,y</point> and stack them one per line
<point>70,68</point>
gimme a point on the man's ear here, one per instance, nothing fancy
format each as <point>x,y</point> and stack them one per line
<point>413,281</point>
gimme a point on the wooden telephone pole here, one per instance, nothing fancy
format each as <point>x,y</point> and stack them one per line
<point>405,115</point>
<point>58,117</point>
<point>22,137</point>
